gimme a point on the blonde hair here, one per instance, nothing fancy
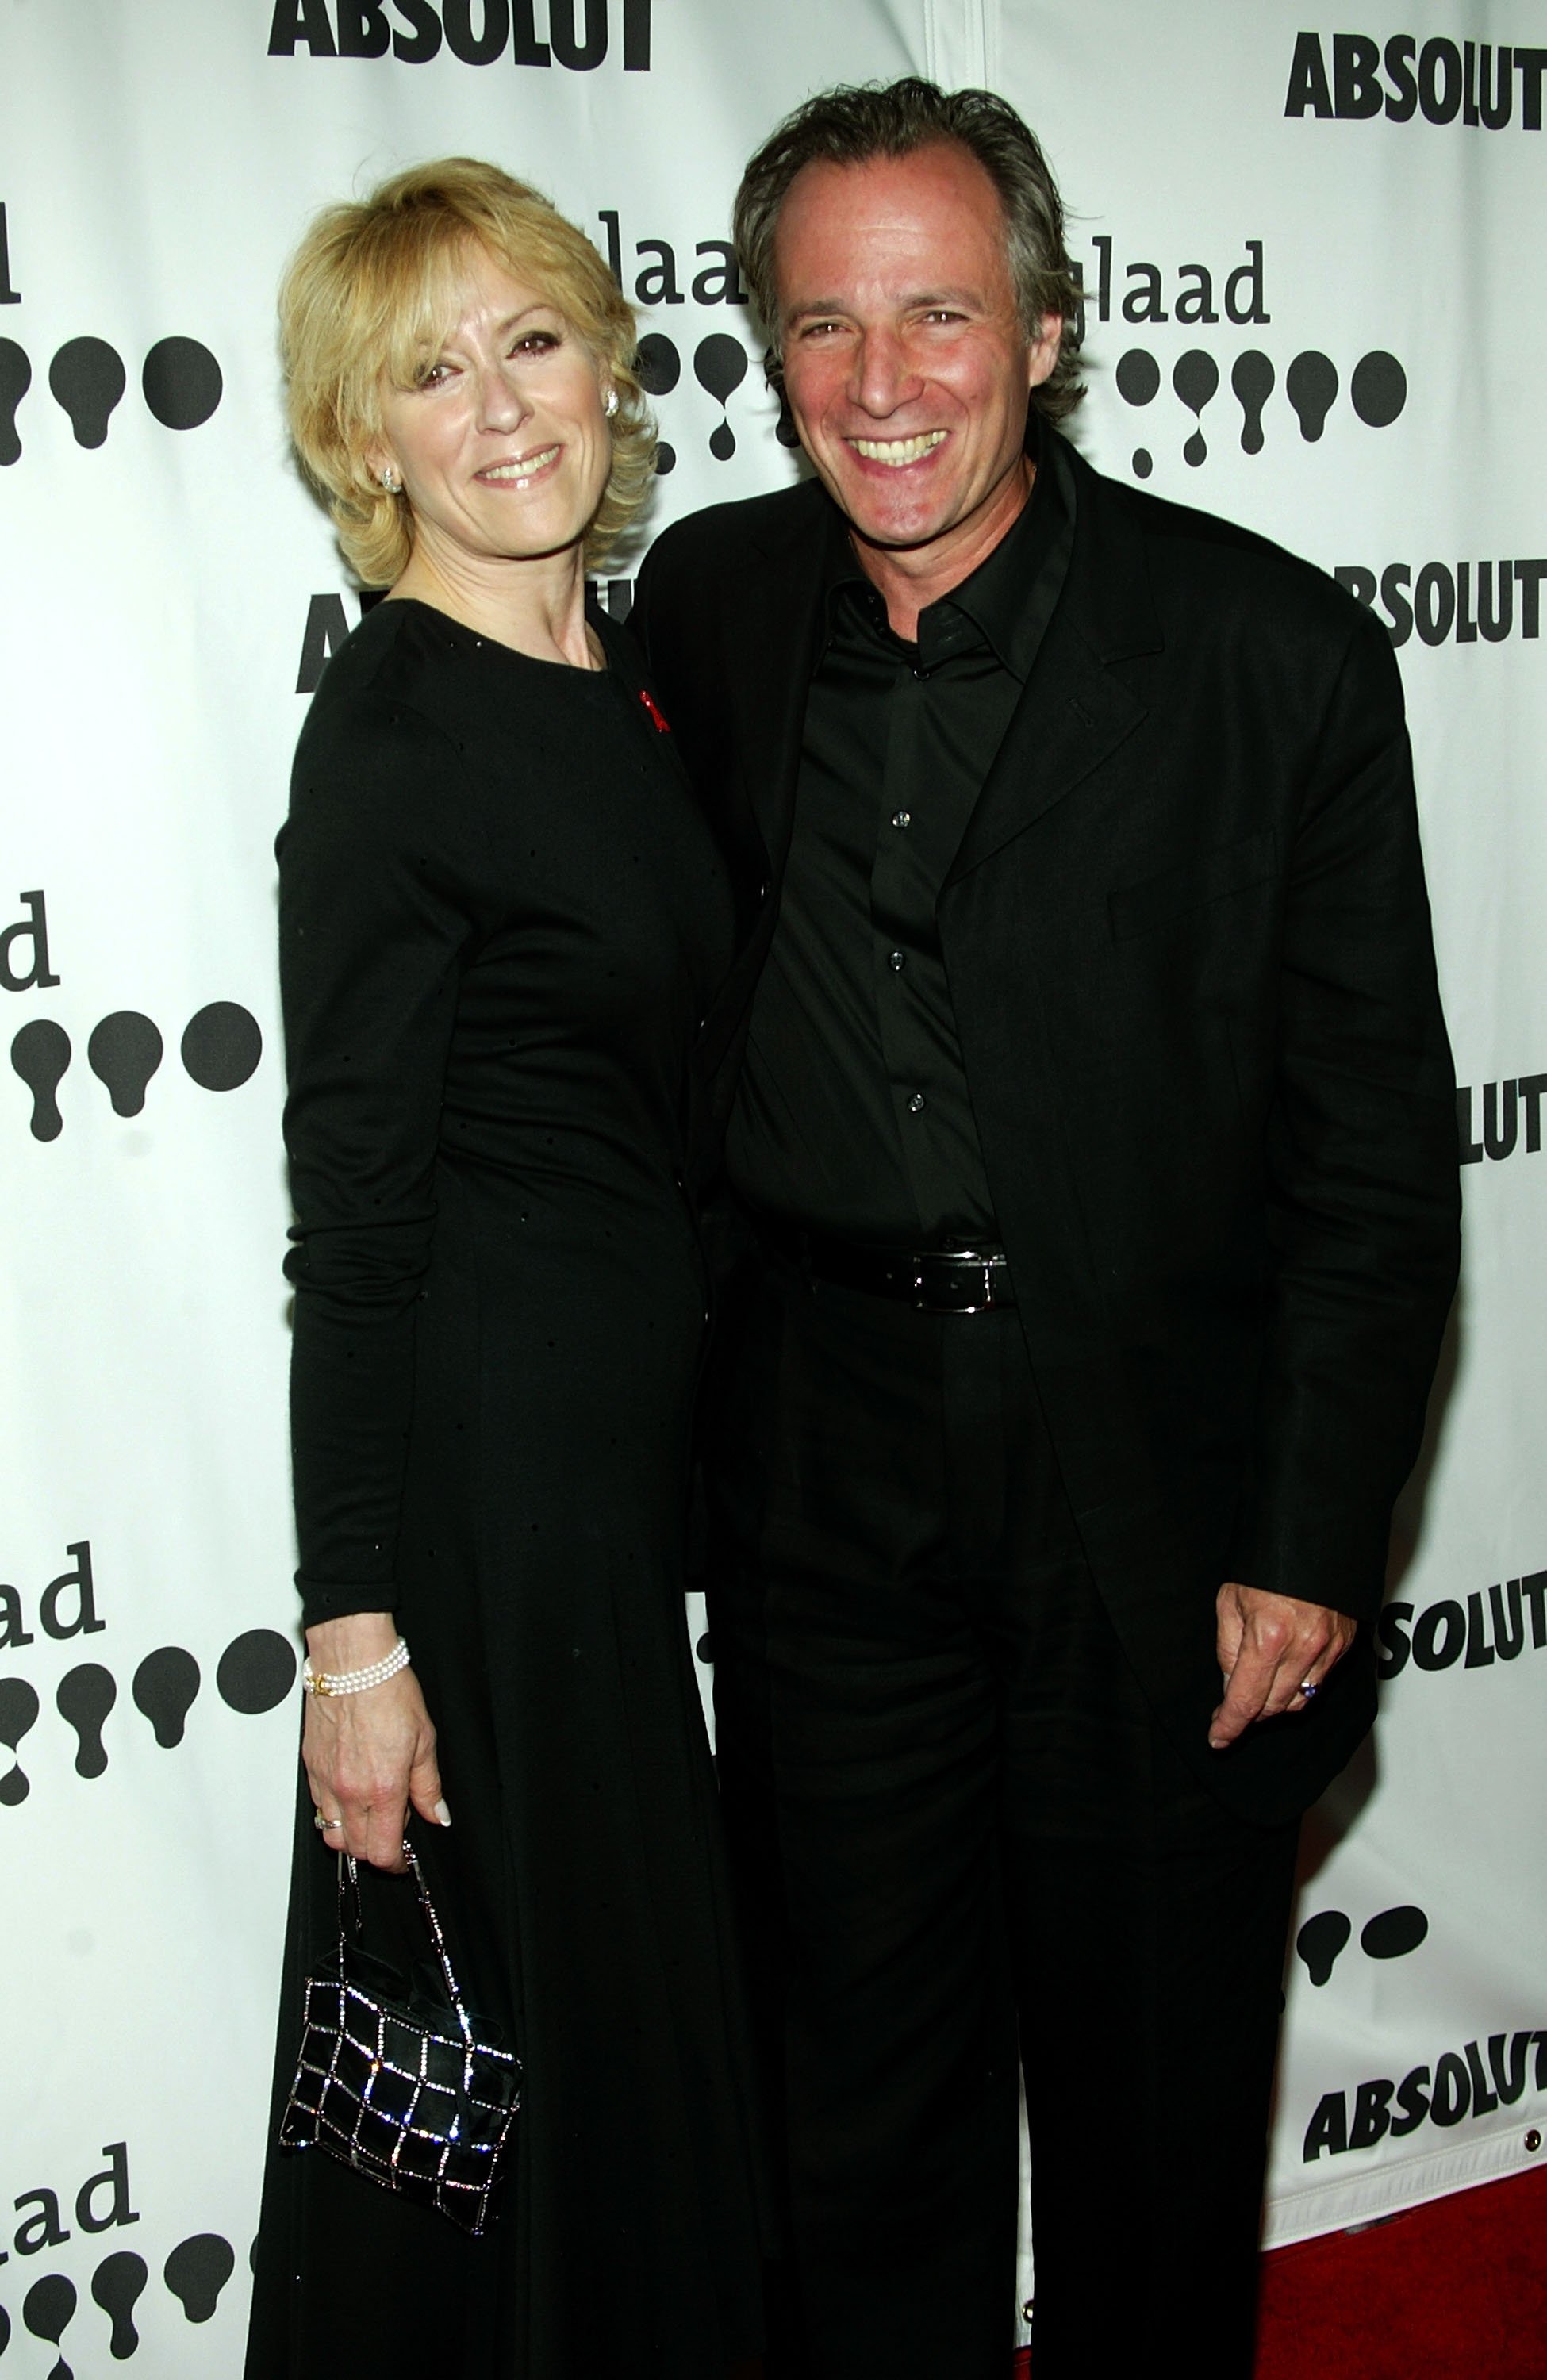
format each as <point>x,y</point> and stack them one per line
<point>367,300</point>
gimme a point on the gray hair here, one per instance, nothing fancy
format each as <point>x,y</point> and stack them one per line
<point>853,124</point>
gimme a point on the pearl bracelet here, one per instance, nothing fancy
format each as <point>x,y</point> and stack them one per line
<point>354,1682</point>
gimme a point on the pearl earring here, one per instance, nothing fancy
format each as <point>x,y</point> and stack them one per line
<point>390,480</point>
<point>609,404</point>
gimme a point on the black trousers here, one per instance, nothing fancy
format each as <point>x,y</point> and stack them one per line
<point>957,1831</point>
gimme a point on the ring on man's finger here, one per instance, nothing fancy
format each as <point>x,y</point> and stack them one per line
<point>1308,1690</point>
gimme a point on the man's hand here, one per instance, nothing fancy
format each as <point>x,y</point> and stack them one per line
<point>1269,1647</point>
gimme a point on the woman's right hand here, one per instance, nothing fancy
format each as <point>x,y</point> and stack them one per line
<point>369,1755</point>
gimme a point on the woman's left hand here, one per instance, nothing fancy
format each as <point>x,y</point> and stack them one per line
<point>370,1757</point>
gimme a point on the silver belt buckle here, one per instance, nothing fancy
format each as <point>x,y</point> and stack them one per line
<point>986,1265</point>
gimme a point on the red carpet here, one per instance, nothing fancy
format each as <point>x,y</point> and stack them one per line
<point>1455,2290</point>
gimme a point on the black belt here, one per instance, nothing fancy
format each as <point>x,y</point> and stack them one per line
<point>932,1280</point>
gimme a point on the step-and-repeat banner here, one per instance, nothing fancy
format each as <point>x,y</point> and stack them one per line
<point>1310,257</point>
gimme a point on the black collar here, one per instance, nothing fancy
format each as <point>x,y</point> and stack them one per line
<point>988,609</point>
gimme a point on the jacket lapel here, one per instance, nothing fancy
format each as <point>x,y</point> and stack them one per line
<point>1074,711</point>
<point>774,646</point>
<point>768,644</point>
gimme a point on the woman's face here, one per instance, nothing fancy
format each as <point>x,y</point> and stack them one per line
<point>503,446</point>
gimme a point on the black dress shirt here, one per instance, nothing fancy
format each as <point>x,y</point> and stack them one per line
<point>853,1115</point>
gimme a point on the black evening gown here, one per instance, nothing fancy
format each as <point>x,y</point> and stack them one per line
<point>502,918</point>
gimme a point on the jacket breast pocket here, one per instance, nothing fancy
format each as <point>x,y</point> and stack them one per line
<point>1194,883</point>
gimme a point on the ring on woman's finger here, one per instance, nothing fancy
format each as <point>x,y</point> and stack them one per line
<point>1308,1690</point>
<point>324,1825</point>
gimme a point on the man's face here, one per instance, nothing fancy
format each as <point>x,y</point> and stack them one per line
<point>906,366</point>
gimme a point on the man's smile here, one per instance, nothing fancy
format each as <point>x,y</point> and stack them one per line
<point>895,452</point>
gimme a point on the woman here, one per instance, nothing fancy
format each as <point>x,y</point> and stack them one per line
<point>501,920</point>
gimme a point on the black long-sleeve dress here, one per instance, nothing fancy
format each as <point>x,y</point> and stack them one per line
<point>501,918</point>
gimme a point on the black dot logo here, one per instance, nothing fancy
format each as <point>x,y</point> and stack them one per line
<point>1377,392</point>
<point>1321,1941</point>
<point>18,1711</point>
<point>47,2310</point>
<point>1311,385</point>
<point>124,1051</point>
<point>1138,377</point>
<point>1252,378</point>
<point>256,1672</point>
<point>180,378</point>
<point>118,2286</point>
<point>1391,1934</point>
<point>254,1675</point>
<point>84,1699</point>
<point>1195,379</point>
<point>196,2272</point>
<point>182,382</point>
<point>16,378</point>
<point>222,1046</point>
<point>88,378</point>
<point>40,1053</point>
<point>166,1687</point>
<point>720,367</point>
<point>659,368</point>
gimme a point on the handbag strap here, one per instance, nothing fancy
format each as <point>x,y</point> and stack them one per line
<point>349,1881</point>
<point>427,1906</point>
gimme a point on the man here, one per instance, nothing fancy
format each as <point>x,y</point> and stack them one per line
<point>1089,1118</point>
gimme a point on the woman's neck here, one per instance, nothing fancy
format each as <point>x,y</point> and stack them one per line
<point>536,605</point>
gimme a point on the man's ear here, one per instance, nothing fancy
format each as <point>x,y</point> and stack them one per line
<point>1042,356</point>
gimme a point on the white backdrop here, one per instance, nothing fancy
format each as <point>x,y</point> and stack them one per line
<point>1311,280</point>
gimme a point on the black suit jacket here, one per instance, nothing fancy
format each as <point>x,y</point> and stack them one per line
<point>1188,947</point>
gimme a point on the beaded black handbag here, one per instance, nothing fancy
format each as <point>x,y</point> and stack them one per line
<point>395,2081</point>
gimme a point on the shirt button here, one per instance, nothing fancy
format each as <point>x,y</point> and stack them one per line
<point>916,1104</point>
<point>896,960</point>
<point>902,818</point>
